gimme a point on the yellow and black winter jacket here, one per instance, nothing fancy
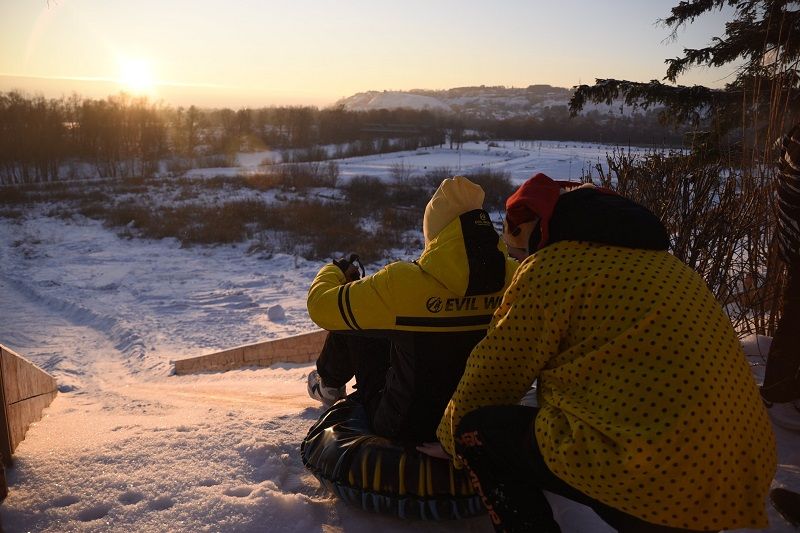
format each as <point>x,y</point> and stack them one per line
<point>646,400</point>
<point>433,310</point>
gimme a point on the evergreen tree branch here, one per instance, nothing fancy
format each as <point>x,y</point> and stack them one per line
<point>745,38</point>
<point>684,104</point>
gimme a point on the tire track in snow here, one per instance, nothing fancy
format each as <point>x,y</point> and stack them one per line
<point>126,340</point>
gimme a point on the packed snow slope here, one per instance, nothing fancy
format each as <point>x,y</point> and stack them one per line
<point>126,446</point>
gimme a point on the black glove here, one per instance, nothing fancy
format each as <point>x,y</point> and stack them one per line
<point>350,267</point>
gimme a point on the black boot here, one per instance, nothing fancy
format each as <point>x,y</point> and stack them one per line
<point>496,453</point>
<point>787,503</point>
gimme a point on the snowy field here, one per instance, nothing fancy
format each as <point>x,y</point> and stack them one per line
<point>520,159</point>
<point>125,446</point>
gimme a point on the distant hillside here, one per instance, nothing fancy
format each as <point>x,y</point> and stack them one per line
<point>476,102</point>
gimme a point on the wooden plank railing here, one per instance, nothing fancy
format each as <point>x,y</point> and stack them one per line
<point>25,390</point>
<point>301,348</point>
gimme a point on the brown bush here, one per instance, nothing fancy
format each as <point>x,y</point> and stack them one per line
<point>301,176</point>
<point>365,194</point>
<point>720,223</point>
<point>12,195</point>
<point>263,181</point>
<point>413,195</point>
<point>434,177</point>
<point>319,229</point>
<point>497,187</point>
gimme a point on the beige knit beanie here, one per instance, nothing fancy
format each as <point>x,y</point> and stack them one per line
<point>454,197</point>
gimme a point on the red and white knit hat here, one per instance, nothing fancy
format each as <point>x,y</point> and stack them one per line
<point>536,200</point>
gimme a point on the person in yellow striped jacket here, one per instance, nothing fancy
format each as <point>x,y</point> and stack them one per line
<point>432,311</point>
<point>647,410</point>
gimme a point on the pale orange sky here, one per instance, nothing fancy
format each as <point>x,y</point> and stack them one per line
<point>263,52</point>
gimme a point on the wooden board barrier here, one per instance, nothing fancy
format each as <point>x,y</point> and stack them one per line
<point>26,391</point>
<point>301,348</point>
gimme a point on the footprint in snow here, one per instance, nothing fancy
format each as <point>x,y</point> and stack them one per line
<point>95,512</point>
<point>161,503</point>
<point>130,497</point>
<point>65,501</point>
<point>238,492</point>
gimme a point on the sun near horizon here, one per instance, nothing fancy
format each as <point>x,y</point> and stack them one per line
<point>136,77</point>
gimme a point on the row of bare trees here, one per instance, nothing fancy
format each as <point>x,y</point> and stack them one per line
<point>125,136</point>
<point>117,136</point>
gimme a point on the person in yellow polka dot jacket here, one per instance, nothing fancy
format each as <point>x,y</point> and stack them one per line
<point>648,412</point>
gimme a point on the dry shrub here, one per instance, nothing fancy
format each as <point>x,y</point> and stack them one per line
<point>127,214</point>
<point>318,229</point>
<point>263,181</point>
<point>190,224</point>
<point>497,187</point>
<point>213,224</point>
<point>398,221</point>
<point>720,223</point>
<point>132,185</point>
<point>326,228</point>
<point>366,194</point>
<point>434,177</point>
<point>295,176</point>
<point>215,161</point>
<point>402,173</point>
<point>179,165</point>
<point>11,195</point>
<point>301,176</point>
<point>217,182</point>
<point>312,153</point>
<point>413,195</point>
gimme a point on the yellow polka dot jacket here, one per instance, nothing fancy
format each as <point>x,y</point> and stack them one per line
<point>646,400</point>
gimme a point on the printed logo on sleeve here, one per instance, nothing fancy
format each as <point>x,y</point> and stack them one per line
<point>468,303</point>
<point>434,304</point>
<point>483,220</point>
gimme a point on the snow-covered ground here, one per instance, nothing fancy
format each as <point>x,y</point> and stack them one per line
<point>126,446</point>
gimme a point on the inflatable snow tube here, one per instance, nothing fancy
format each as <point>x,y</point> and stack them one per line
<point>380,475</point>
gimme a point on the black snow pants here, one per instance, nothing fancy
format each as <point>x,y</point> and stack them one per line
<point>507,469</point>
<point>344,356</point>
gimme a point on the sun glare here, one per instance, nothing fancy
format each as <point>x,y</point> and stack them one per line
<point>136,76</point>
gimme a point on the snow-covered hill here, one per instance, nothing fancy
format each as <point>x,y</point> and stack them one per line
<point>393,100</point>
<point>479,102</point>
